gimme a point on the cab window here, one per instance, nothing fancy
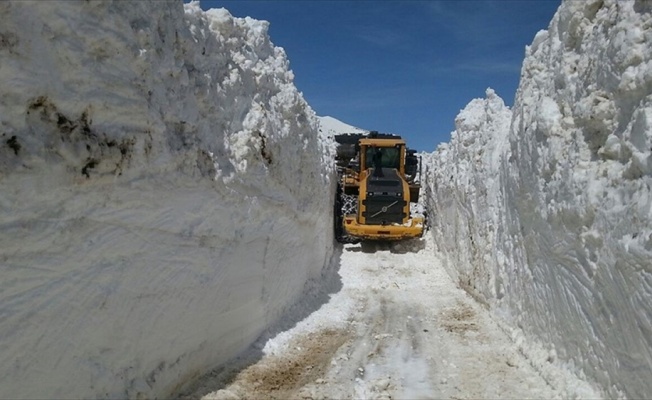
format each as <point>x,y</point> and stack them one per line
<point>389,157</point>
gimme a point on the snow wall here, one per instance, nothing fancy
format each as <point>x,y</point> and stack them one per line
<point>163,195</point>
<point>544,212</point>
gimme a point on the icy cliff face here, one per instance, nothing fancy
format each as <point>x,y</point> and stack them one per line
<point>158,172</point>
<point>555,224</point>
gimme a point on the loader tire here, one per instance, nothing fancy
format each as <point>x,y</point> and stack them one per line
<point>341,206</point>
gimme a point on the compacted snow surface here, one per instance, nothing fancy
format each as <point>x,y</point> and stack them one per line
<point>399,328</point>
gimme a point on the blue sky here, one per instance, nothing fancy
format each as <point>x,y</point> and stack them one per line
<point>405,67</point>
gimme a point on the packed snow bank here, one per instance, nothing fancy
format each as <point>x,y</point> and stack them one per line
<point>163,195</point>
<point>550,222</point>
<point>461,185</point>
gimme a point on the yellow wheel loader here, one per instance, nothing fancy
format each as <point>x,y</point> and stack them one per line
<point>377,177</point>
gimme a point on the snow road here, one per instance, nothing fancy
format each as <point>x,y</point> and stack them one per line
<point>399,327</point>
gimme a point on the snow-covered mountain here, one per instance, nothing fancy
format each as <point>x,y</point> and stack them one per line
<point>164,196</point>
<point>545,211</point>
<point>329,126</point>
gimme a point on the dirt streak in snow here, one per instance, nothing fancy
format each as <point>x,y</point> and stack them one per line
<point>398,328</point>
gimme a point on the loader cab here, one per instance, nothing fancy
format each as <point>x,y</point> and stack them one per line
<point>383,157</point>
<point>382,153</point>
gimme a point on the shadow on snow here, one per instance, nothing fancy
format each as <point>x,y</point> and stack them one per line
<point>317,292</point>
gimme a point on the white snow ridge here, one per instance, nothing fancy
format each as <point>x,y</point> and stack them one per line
<point>550,221</point>
<point>156,165</point>
<point>166,198</point>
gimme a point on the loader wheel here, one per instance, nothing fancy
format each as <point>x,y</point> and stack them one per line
<point>343,206</point>
<point>349,204</point>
